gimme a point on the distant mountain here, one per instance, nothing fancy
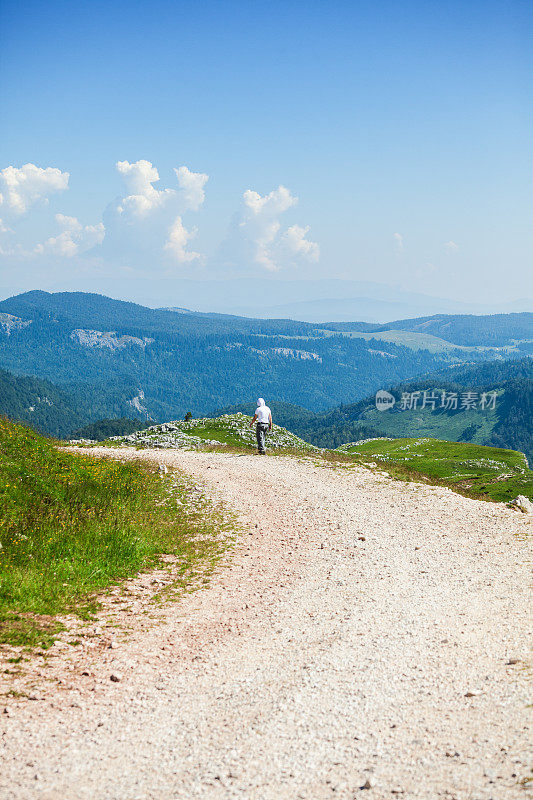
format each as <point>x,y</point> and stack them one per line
<point>319,300</point>
<point>118,359</point>
<point>366,309</point>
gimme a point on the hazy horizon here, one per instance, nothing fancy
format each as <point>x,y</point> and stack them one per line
<point>307,301</point>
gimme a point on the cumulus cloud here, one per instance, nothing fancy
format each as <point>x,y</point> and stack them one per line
<point>20,188</point>
<point>73,240</point>
<point>258,236</point>
<point>398,240</point>
<point>178,236</point>
<point>271,205</point>
<point>144,197</point>
<point>297,243</point>
<point>451,247</point>
<point>147,221</point>
<point>192,187</point>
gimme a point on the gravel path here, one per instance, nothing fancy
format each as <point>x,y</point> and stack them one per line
<point>367,640</point>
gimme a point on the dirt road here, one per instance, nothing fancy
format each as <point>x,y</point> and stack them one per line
<point>368,639</point>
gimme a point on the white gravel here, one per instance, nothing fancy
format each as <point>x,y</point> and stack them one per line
<point>359,637</point>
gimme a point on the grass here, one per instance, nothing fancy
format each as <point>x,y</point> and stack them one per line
<point>72,525</point>
<point>489,473</point>
<point>230,430</point>
<point>416,340</point>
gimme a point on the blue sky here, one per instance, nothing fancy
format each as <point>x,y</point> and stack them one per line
<point>402,128</point>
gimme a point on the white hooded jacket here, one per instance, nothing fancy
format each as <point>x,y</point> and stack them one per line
<point>262,411</point>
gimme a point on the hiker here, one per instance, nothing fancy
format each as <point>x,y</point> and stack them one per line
<point>263,418</point>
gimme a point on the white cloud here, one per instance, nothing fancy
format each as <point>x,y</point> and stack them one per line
<point>258,236</point>
<point>68,223</point>
<point>398,237</point>
<point>178,236</point>
<point>297,243</point>
<point>451,247</point>
<point>21,187</point>
<point>73,240</point>
<point>146,224</point>
<point>271,205</point>
<point>144,198</point>
<point>192,187</point>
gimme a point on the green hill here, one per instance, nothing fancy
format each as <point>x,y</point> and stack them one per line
<point>228,430</point>
<point>488,472</point>
<point>467,330</point>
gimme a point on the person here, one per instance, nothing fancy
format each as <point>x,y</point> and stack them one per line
<point>263,420</point>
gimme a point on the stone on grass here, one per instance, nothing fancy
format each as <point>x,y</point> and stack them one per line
<point>523,504</point>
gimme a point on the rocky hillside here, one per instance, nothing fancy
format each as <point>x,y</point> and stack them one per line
<point>230,430</point>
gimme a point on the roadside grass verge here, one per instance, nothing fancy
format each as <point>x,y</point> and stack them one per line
<point>73,525</point>
<point>489,473</point>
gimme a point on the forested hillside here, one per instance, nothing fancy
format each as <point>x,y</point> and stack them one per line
<point>122,359</point>
<point>39,403</point>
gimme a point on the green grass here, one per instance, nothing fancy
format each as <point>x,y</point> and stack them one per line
<point>72,525</point>
<point>217,431</point>
<point>487,472</point>
<point>229,430</point>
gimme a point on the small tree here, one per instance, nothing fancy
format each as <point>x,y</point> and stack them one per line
<point>188,416</point>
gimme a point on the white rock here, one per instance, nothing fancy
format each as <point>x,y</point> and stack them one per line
<point>523,504</point>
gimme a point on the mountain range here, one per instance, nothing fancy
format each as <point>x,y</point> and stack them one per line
<point>316,300</point>
<point>100,357</point>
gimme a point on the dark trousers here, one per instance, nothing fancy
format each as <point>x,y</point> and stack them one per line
<point>260,432</point>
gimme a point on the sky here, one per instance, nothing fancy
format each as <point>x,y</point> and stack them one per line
<point>146,143</point>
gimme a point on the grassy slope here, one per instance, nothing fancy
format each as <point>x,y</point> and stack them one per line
<point>231,430</point>
<point>486,472</point>
<point>72,525</point>
<point>509,425</point>
<point>411,339</point>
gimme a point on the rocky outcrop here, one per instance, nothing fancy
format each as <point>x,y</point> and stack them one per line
<point>10,323</point>
<point>230,429</point>
<point>109,339</point>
